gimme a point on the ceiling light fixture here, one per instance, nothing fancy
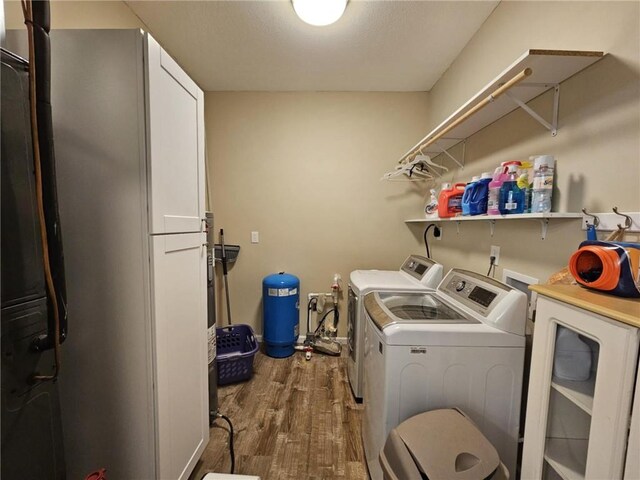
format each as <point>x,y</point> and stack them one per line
<point>319,12</point>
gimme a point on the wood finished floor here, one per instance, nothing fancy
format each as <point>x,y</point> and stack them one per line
<point>295,419</point>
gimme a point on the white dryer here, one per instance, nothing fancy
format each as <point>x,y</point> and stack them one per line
<point>417,273</point>
<point>459,346</point>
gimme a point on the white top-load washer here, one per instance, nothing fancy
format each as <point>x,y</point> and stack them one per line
<point>459,346</point>
<point>417,273</point>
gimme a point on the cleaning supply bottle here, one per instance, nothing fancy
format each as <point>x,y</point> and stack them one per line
<point>431,208</point>
<point>494,192</point>
<point>525,182</point>
<point>572,359</point>
<point>468,193</point>
<point>450,201</point>
<point>542,183</point>
<point>499,176</point>
<point>480,195</point>
<point>511,196</point>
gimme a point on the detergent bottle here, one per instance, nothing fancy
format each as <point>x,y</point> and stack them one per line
<point>525,182</point>
<point>511,196</point>
<point>450,200</point>
<point>468,193</point>
<point>480,195</point>
<point>494,192</point>
<point>499,176</point>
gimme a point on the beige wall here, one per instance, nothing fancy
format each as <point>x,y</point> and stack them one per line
<point>304,170</point>
<point>78,14</point>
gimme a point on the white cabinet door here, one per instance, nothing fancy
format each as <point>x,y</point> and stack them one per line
<point>179,267</point>
<point>175,145</point>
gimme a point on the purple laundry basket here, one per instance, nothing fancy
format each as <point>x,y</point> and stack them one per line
<point>236,348</point>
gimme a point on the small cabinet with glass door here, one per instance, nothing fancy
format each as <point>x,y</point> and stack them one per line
<point>583,369</point>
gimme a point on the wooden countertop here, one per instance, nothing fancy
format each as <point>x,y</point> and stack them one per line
<point>625,310</point>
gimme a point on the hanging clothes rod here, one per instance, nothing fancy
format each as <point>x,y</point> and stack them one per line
<point>487,100</point>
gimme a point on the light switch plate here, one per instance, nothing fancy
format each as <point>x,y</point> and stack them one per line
<point>255,237</point>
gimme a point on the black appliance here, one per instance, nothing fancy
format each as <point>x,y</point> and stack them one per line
<point>32,445</point>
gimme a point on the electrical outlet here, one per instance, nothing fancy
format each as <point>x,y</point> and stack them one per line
<point>437,233</point>
<point>255,237</point>
<point>495,252</point>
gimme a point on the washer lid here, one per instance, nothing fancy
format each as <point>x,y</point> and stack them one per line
<point>417,272</point>
<point>366,280</point>
<point>390,308</point>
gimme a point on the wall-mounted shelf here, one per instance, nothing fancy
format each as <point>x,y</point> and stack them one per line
<point>533,73</point>
<point>543,218</point>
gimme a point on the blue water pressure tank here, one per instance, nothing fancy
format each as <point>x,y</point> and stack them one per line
<point>280,313</point>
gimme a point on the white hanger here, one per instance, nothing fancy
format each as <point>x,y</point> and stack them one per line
<point>416,171</point>
<point>427,159</point>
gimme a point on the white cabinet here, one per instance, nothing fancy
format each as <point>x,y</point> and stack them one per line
<point>180,352</point>
<point>175,145</point>
<point>579,429</point>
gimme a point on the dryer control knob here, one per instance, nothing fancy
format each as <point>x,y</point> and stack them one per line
<point>460,285</point>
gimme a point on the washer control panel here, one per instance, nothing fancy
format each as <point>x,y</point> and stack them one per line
<point>497,304</point>
<point>417,266</point>
<point>475,293</point>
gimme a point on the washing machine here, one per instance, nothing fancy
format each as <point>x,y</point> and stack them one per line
<point>461,345</point>
<point>416,273</point>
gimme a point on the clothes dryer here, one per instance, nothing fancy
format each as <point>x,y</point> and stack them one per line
<point>459,346</point>
<point>417,273</point>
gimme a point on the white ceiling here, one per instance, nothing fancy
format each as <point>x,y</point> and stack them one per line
<point>262,45</point>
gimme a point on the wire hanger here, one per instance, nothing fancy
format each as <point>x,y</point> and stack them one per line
<point>428,161</point>
<point>416,171</point>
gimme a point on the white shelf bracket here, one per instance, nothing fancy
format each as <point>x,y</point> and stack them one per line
<point>544,224</point>
<point>492,227</point>
<point>446,152</point>
<point>552,127</point>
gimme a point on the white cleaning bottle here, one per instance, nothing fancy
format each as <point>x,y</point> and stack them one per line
<point>542,184</point>
<point>431,208</point>
<point>572,359</point>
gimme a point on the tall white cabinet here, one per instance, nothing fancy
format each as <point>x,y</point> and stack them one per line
<point>129,137</point>
<point>580,429</point>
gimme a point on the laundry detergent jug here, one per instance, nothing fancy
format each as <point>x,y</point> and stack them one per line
<point>468,193</point>
<point>450,201</point>
<point>611,267</point>
<point>499,177</point>
<point>512,197</point>
<point>480,195</point>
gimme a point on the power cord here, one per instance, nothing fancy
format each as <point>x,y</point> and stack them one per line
<point>436,233</point>
<point>492,266</point>
<point>233,458</point>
